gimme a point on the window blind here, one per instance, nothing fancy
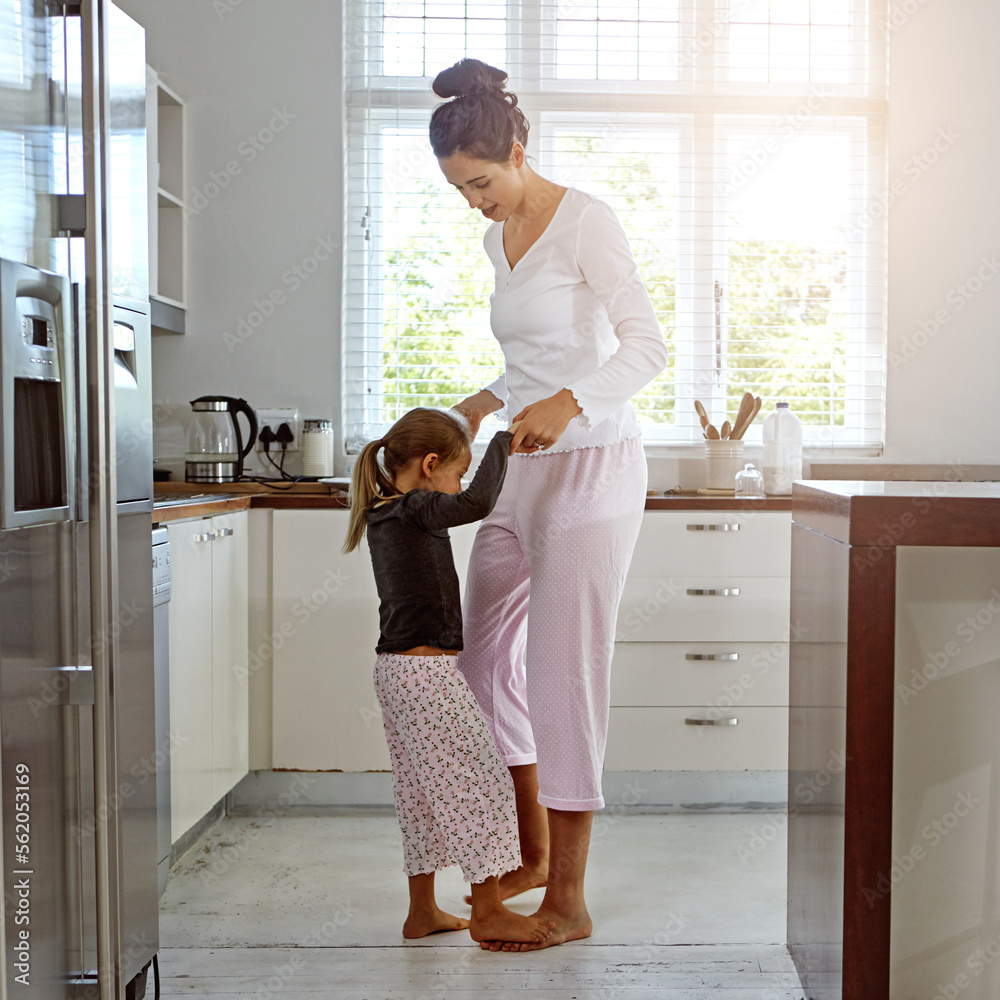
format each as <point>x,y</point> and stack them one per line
<point>740,143</point>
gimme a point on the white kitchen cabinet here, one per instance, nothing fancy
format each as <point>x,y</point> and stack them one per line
<point>678,655</point>
<point>702,640</point>
<point>208,663</point>
<point>324,632</point>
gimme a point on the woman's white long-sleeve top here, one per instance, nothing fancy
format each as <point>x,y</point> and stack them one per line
<point>573,313</point>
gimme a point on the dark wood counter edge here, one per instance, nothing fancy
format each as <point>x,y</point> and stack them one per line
<point>313,501</point>
<point>928,517</point>
<point>178,511</point>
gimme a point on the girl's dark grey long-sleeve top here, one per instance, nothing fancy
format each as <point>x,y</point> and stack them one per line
<point>411,555</point>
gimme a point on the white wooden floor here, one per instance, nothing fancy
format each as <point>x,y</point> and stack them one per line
<point>684,907</point>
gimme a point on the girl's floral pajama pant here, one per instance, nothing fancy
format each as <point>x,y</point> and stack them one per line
<point>454,794</point>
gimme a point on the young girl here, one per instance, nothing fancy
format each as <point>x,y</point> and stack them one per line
<point>454,795</point>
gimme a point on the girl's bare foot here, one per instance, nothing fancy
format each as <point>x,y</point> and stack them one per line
<point>521,880</point>
<point>500,926</point>
<point>432,920</point>
<point>561,930</point>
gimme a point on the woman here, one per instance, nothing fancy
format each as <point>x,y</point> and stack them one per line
<point>580,338</point>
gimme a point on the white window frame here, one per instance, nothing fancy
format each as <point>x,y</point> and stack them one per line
<point>688,104</point>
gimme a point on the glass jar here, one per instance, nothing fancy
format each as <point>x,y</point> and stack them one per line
<point>750,483</point>
<point>317,448</point>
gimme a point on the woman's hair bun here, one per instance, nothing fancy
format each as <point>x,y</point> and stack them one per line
<point>469,76</point>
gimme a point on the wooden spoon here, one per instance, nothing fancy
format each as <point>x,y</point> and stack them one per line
<point>702,415</point>
<point>749,420</point>
<point>726,428</point>
<point>746,406</point>
<point>713,434</point>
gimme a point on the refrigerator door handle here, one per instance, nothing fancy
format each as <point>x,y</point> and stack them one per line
<point>74,685</point>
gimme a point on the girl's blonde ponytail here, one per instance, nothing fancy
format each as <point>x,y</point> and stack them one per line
<point>369,484</point>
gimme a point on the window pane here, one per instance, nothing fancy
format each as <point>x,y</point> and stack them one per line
<point>748,60</point>
<point>789,332</point>
<point>658,10</point>
<point>658,51</point>
<point>403,52</point>
<point>617,50</point>
<point>609,40</point>
<point>577,10</point>
<point>789,56</point>
<point>636,172</point>
<point>749,11</point>
<point>620,10</point>
<point>486,40</point>
<point>422,40</point>
<point>577,50</point>
<point>444,44</point>
<point>486,8</point>
<point>830,55</point>
<point>831,12</point>
<point>789,12</point>
<point>791,41</point>
<point>436,343</point>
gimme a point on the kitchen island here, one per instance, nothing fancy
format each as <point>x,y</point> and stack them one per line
<point>894,768</point>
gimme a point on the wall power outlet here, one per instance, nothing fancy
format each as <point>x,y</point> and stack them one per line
<point>274,419</point>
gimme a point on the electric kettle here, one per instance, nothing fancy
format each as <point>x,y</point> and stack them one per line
<point>215,449</point>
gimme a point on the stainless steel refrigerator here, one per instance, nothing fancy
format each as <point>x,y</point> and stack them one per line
<point>77,745</point>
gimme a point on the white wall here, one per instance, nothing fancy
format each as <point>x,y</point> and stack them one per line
<point>236,60</point>
<point>235,63</point>
<point>944,74</point>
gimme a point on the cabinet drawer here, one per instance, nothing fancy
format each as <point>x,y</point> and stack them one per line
<point>658,739</point>
<point>719,608</point>
<point>720,675</point>
<point>692,543</point>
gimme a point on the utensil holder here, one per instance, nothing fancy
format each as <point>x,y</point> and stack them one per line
<point>723,459</point>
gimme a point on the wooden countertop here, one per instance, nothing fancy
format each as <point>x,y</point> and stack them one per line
<point>859,512</point>
<point>174,501</point>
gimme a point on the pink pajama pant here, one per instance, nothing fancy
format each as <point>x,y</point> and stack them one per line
<point>454,796</point>
<point>545,578</point>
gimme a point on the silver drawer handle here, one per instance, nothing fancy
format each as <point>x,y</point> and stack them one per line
<point>715,592</point>
<point>204,536</point>
<point>223,532</point>
<point>711,722</point>
<point>711,656</point>
<point>713,527</point>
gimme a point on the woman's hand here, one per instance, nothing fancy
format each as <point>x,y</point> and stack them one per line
<point>474,408</point>
<point>541,424</point>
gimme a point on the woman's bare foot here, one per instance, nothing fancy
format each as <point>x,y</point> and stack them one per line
<point>433,920</point>
<point>561,930</point>
<point>521,880</point>
<point>503,927</point>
